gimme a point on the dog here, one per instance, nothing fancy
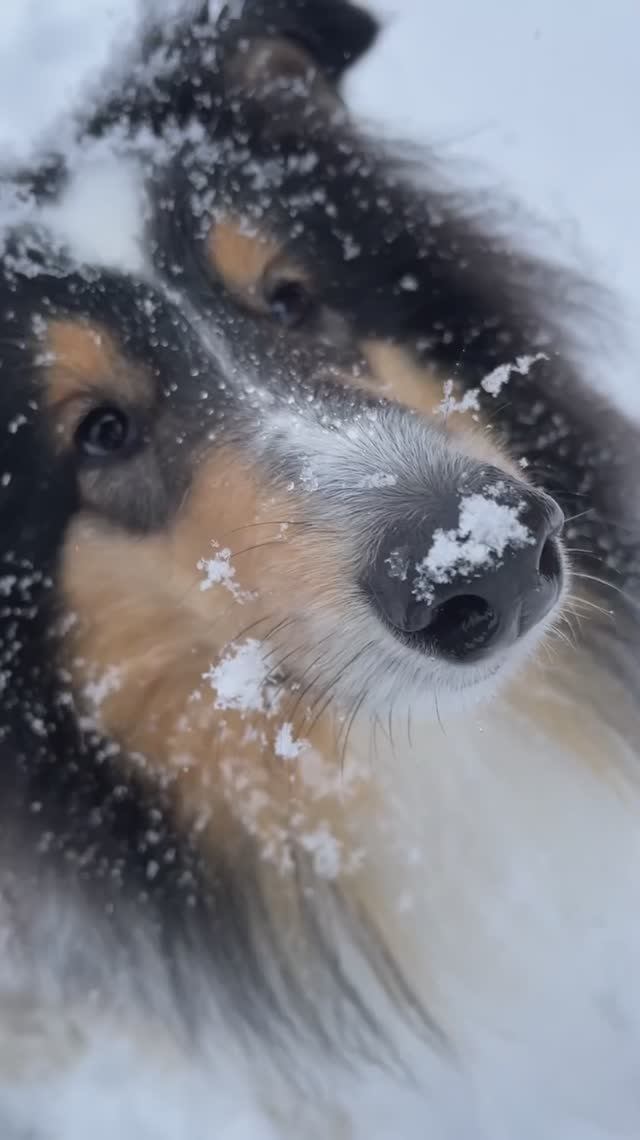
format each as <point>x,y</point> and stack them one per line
<point>319,677</point>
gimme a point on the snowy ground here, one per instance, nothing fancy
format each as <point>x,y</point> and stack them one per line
<point>542,99</point>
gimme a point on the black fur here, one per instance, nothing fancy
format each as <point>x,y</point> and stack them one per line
<point>70,812</point>
<point>75,819</point>
<point>177,77</point>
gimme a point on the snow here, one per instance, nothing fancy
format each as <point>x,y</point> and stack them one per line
<point>409,283</point>
<point>285,746</point>
<point>397,565</point>
<point>485,529</point>
<point>219,571</point>
<point>493,384</point>
<point>468,402</point>
<point>325,851</point>
<point>496,380</point>
<point>14,425</point>
<point>7,585</point>
<point>378,479</point>
<point>114,194</point>
<point>240,678</point>
<point>96,692</point>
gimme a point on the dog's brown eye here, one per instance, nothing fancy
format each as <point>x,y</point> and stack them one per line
<point>105,431</point>
<point>289,301</point>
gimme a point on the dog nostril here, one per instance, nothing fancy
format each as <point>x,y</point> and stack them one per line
<point>460,626</point>
<point>461,593</point>
<point>549,565</point>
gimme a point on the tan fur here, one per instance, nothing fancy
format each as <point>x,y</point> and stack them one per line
<point>402,380</point>
<point>423,389</point>
<point>240,255</point>
<point>142,618</point>
<point>567,695</point>
<point>84,365</point>
<point>250,262</point>
<point>140,611</point>
<point>245,258</point>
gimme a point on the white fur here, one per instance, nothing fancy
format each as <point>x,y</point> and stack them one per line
<point>506,878</point>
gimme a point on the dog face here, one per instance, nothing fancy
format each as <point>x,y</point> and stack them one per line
<point>275,204</point>
<point>217,553</point>
<point>267,196</point>
<point>267,201</point>
<point>256,502</point>
<point>188,495</point>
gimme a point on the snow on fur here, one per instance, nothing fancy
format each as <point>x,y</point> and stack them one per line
<point>240,678</point>
<point>492,383</point>
<point>496,380</point>
<point>219,571</point>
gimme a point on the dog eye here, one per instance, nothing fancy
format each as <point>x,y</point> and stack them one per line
<point>289,301</point>
<point>105,431</point>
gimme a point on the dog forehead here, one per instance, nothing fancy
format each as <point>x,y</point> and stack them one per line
<point>83,355</point>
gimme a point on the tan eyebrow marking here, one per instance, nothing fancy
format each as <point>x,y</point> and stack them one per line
<point>239,254</point>
<point>83,358</point>
<point>82,355</point>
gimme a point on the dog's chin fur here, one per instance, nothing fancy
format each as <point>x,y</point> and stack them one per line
<point>408,685</point>
<point>498,843</point>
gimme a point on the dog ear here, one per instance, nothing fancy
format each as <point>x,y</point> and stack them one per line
<point>275,52</point>
<point>280,41</point>
<point>334,33</point>
<point>278,74</point>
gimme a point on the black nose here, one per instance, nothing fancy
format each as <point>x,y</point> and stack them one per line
<point>488,572</point>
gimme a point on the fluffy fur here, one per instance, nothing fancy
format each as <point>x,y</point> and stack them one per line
<point>268,870</point>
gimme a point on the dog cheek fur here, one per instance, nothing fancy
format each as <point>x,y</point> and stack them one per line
<point>177,668</point>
